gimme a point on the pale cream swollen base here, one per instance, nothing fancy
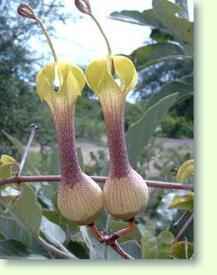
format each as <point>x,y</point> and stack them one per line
<point>82,202</point>
<point>125,197</point>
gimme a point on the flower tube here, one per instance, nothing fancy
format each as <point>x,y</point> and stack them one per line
<point>112,78</point>
<point>59,84</point>
<point>125,191</point>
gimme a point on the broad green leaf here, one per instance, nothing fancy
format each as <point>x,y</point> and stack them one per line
<point>155,53</point>
<point>165,241</point>
<point>5,171</point>
<point>183,202</point>
<point>132,248</point>
<point>145,18</point>
<point>55,217</point>
<point>26,210</point>
<point>169,15</point>
<point>182,250</point>
<point>185,171</point>
<point>183,90</point>
<point>139,133</point>
<point>11,230</point>
<point>134,235</point>
<point>149,246</point>
<point>12,249</point>
<point>96,249</point>
<point>52,231</point>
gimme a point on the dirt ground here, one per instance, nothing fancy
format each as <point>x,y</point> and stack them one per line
<point>87,147</point>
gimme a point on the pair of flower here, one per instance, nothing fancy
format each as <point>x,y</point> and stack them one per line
<point>59,84</point>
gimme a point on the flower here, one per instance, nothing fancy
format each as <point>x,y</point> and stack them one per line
<point>112,78</point>
<point>59,84</point>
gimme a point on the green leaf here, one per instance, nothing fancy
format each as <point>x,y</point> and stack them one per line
<point>185,171</point>
<point>26,210</point>
<point>153,54</point>
<point>96,249</point>
<point>134,235</point>
<point>12,249</point>
<point>149,246</point>
<point>11,230</point>
<point>5,171</point>
<point>19,146</point>
<point>132,248</point>
<point>165,241</point>
<point>169,15</point>
<point>182,250</point>
<point>183,90</point>
<point>52,231</point>
<point>5,159</point>
<point>80,158</point>
<point>139,133</point>
<point>54,166</point>
<point>183,202</point>
<point>161,35</point>
<point>145,18</point>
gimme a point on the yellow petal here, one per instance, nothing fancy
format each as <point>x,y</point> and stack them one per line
<point>99,77</point>
<point>125,69</point>
<point>68,79</point>
<point>5,159</point>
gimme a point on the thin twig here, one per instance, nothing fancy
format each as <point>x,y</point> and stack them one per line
<point>55,178</point>
<point>181,218</point>
<point>34,128</point>
<point>101,237</point>
<point>53,249</point>
<point>107,231</point>
<point>181,234</point>
<point>115,245</point>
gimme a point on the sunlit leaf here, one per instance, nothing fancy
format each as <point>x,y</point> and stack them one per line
<point>149,246</point>
<point>170,17</point>
<point>185,171</point>
<point>145,18</point>
<point>183,202</point>
<point>165,240</point>
<point>182,250</point>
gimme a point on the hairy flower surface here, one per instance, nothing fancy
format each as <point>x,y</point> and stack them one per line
<point>59,85</point>
<point>111,78</point>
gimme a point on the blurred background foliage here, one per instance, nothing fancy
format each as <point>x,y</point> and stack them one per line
<point>158,124</point>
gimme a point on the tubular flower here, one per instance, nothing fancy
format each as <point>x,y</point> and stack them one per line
<point>59,84</point>
<point>79,197</point>
<point>111,78</point>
